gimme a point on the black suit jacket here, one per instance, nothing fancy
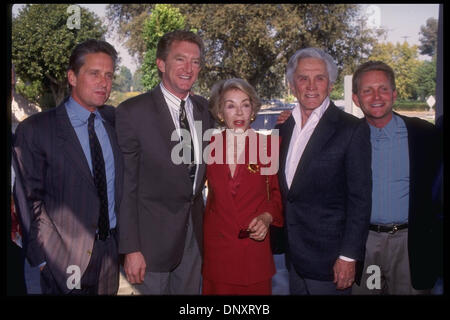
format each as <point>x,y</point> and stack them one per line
<point>425,152</point>
<point>327,208</point>
<point>158,194</point>
<point>59,191</point>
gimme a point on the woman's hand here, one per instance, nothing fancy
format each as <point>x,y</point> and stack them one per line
<point>259,226</point>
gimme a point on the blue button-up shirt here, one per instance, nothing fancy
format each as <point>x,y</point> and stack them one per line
<point>78,117</point>
<point>390,172</point>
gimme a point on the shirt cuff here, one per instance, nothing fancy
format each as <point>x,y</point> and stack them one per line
<point>346,259</point>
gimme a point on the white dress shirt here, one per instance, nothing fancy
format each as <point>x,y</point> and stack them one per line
<point>300,137</point>
<point>173,102</point>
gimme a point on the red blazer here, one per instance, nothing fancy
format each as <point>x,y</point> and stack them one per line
<point>232,203</point>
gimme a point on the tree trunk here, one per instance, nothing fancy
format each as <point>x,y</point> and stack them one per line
<point>59,92</point>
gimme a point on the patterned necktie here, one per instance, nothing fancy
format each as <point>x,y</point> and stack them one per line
<point>184,124</point>
<point>98,168</point>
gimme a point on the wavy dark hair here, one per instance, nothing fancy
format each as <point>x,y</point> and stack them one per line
<point>77,58</point>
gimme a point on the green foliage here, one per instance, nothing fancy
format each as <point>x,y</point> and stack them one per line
<point>426,79</point>
<point>254,41</point>
<point>117,97</point>
<point>429,37</point>
<point>164,18</point>
<point>128,21</point>
<point>406,105</point>
<point>338,91</point>
<point>137,81</point>
<point>41,46</point>
<point>403,59</point>
<point>30,91</point>
<point>123,81</point>
<point>290,98</point>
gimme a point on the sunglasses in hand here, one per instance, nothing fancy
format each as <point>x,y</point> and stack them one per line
<point>244,233</point>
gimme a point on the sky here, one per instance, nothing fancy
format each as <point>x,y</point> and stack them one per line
<point>401,20</point>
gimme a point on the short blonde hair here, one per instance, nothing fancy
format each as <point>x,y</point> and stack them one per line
<point>372,66</point>
<point>221,87</point>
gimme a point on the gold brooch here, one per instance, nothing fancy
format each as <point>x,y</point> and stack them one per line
<point>253,168</point>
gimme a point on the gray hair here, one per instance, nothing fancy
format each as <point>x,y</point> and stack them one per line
<point>311,53</point>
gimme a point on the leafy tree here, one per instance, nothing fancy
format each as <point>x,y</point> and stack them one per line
<point>41,47</point>
<point>338,91</point>
<point>123,81</point>
<point>164,18</point>
<point>426,79</point>
<point>254,41</point>
<point>127,21</point>
<point>137,81</point>
<point>429,37</point>
<point>403,59</point>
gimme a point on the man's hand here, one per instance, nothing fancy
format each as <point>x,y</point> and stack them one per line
<point>344,273</point>
<point>135,267</point>
<point>283,116</point>
<point>259,226</point>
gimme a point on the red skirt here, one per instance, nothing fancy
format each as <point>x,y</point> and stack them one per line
<point>216,288</point>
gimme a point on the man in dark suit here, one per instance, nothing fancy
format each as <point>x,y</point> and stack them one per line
<point>162,208</point>
<point>403,241</point>
<point>325,180</point>
<point>72,169</point>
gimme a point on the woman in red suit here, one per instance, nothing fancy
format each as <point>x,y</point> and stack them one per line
<point>243,197</point>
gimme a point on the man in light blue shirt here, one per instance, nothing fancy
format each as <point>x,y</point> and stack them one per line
<point>401,249</point>
<point>78,117</point>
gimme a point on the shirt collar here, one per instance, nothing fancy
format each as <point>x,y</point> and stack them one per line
<point>77,112</point>
<point>390,129</point>
<point>171,97</point>
<point>318,112</point>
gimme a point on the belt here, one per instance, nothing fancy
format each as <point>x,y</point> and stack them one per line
<point>108,235</point>
<point>391,229</point>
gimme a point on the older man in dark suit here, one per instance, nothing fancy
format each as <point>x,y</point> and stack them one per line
<point>71,167</point>
<point>162,208</point>
<point>325,179</point>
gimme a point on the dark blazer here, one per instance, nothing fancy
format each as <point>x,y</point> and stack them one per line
<point>60,190</point>
<point>157,193</point>
<point>425,151</point>
<point>327,208</point>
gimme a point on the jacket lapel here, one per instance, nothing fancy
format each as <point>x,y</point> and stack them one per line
<point>70,145</point>
<point>118,164</point>
<point>286,131</point>
<point>324,130</point>
<point>166,128</point>
<point>162,113</point>
<point>198,112</point>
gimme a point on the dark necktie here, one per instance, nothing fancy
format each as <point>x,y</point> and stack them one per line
<point>184,124</point>
<point>98,168</point>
